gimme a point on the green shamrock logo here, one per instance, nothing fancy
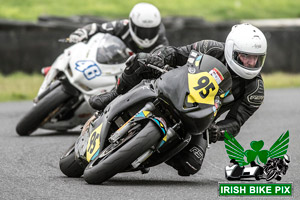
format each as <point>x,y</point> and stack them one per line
<point>257,153</point>
<point>236,151</point>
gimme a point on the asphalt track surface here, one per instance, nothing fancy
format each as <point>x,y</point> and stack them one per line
<point>29,165</point>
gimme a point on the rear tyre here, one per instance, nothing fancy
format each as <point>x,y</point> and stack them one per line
<point>32,120</point>
<point>100,170</point>
<point>69,165</point>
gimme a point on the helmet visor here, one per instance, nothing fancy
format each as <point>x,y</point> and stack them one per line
<point>248,60</point>
<point>144,33</point>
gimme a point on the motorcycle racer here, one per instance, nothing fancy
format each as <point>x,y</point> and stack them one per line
<point>243,52</point>
<point>142,32</point>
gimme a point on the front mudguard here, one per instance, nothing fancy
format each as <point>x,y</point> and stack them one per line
<point>97,125</point>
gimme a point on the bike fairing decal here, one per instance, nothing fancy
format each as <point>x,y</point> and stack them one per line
<point>145,114</point>
<point>224,94</point>
<point>197,61</point>
<point>142,114</point>
<point>203,88</point>
<point>160,124</point>
<point>93,146</point>
<point>89,69</point>
<point>216,74</point>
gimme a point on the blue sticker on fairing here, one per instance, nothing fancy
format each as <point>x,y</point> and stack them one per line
<point>141,114</point>
<point>160,125</point>
<point>89,69</point>
<point>199,58</point>
<point>95,155</point>
<point>226,93</point>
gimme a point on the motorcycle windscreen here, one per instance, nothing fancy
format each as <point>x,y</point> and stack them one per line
<point>111,50</point>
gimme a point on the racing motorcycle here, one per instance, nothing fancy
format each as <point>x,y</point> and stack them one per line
<point>82,70</point>
<point>152,122</point>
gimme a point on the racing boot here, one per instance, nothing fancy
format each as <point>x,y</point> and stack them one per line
<point>129,78</point>
<point>99,102</point>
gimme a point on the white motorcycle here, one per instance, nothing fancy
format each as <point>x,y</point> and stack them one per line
<point>82,70</point>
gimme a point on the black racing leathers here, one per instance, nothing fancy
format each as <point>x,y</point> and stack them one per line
<point>120,29</point>
<point>248,94</point>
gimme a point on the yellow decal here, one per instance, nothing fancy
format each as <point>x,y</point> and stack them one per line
<point>146,113</point>
<point>203,88</point>
<point>94,143</point>
<point>165,138</point>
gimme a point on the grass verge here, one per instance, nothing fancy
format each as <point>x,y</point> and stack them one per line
<point>210,10</point>
<point>21,86</point>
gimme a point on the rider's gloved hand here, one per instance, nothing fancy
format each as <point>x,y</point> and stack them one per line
<point>214,133</point>
<point>78,35</point>
<point>156,61</point>
<point>83,33</point>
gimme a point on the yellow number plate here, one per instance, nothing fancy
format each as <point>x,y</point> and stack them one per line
<point>94,143</point>
<point>203,88</point>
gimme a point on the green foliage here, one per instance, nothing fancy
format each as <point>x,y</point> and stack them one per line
<point>211,10</point>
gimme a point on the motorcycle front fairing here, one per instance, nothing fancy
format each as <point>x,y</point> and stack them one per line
<point>94,67</point>
<point>196,90</point>
<point>91,142</point>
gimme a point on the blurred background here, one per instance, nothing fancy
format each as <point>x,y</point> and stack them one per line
<point>30,29</point>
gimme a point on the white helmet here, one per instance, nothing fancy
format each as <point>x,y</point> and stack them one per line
<point>245,40</point>
<point>144,24</point>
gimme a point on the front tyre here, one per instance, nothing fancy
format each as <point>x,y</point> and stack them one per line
<point>68,164</point>
<point>100,170</point>
<point>32,120</point>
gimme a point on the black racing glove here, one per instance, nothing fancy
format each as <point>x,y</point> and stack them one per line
<point>214,133</point>
<point>156,61</point>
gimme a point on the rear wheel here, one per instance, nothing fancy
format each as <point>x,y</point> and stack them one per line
<point>69,165</point>
<point>100,170</point>
<point>32,120</point>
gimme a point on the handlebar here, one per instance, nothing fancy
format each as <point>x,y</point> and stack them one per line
<point>163,70</point>
<point>64,40</point>
<point>67,40</point>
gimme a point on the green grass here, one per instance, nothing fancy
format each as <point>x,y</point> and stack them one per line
<point>211,10</point>
<point>281,80</point>
<point>20,86</point>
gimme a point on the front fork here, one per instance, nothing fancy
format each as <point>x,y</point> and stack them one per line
<point>128,125</point>
<point>207,136</point>
<point>171,133</point>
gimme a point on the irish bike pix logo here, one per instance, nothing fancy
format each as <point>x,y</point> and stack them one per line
<point>264,164</point>
<point>256,163</point>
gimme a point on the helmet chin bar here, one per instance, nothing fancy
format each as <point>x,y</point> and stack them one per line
<point>142,43</point>
<point>242,72</point>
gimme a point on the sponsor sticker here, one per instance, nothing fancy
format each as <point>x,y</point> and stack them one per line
<point>216,74</point>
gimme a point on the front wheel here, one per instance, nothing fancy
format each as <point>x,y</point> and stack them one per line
<point>69,165</point>
<point>32,120</point>
<point>101,169</point>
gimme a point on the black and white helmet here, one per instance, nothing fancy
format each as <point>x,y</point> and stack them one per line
<point>144,24</point>
<point>245,42</point>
